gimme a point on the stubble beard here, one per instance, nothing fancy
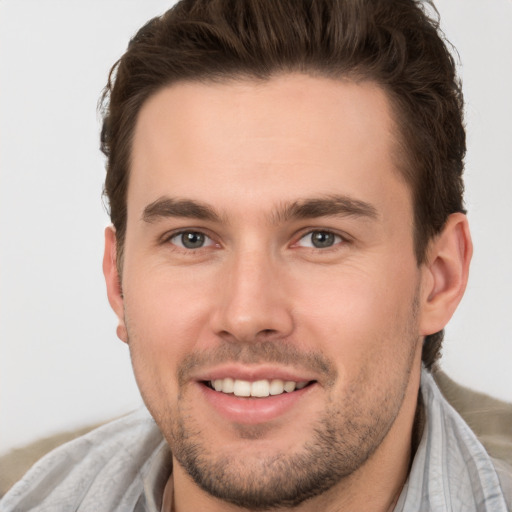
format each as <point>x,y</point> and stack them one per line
<point>339,446</point>
<point>342,439</point>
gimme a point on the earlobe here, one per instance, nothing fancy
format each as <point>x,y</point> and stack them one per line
<point>113,281</point>
<point>445,274</point>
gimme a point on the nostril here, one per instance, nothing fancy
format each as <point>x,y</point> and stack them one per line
<point>267,332</point>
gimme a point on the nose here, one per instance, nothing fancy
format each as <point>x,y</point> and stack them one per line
<point>252,302</point>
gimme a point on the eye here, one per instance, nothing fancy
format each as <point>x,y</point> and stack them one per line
<point>320,239</point>
<point>191,240</point>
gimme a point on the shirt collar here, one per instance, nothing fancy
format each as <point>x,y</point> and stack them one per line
<point>451,469</point>
<point>155,474</point>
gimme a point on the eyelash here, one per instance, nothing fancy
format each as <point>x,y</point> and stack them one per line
<point>337,240</point>
<point>171,236</point>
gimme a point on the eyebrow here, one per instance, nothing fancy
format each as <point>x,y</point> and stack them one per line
<point>170,207</point>
<point>332,205</point>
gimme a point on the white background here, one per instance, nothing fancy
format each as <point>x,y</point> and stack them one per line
<point>61,365</point>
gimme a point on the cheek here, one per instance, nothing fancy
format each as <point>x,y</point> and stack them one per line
<point>166,315</point>
<point>355,315</point>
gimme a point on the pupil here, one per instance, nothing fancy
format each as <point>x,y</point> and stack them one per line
<point>192,240</point>
<point>322,239</point>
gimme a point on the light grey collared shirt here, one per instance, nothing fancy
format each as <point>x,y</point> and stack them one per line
<point>123,467</point>
<point>451,470</point>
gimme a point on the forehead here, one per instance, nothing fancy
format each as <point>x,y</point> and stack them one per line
<point>244,142</point>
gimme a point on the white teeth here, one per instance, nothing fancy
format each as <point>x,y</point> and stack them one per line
<point>228,385</point>
<point>276,387</point>
<point>242,388</point>
<point>289,386</point>
<point>260,388</point>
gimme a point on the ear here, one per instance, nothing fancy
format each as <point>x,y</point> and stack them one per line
<point>445,274</point>
<point>113,281</point>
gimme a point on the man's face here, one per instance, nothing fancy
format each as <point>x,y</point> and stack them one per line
<point>269,244</point>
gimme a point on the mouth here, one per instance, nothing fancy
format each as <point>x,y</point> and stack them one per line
<point>257,395</point>
<point>262,388</point>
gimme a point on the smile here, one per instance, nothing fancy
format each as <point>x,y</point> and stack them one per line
<point>245,397</point>
<point>258,389</point>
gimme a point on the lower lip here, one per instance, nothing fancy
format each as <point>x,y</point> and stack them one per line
<point>253,411</point>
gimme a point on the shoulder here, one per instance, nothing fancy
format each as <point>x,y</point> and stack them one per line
<point>504,471</point>
<point>451,469</point>
<point>490,420</point>
<point>103,465</point>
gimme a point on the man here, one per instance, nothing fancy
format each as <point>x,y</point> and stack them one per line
<point>288,243</point>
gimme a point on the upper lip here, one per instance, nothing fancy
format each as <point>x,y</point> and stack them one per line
<point>254,373</point>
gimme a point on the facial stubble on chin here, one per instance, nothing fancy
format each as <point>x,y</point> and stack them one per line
<point>341,441</point>
<point>342,438</point>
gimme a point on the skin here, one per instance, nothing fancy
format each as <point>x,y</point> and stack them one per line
<point>258,297</point>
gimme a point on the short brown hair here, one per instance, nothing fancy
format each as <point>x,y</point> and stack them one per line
<point>395,44</point>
